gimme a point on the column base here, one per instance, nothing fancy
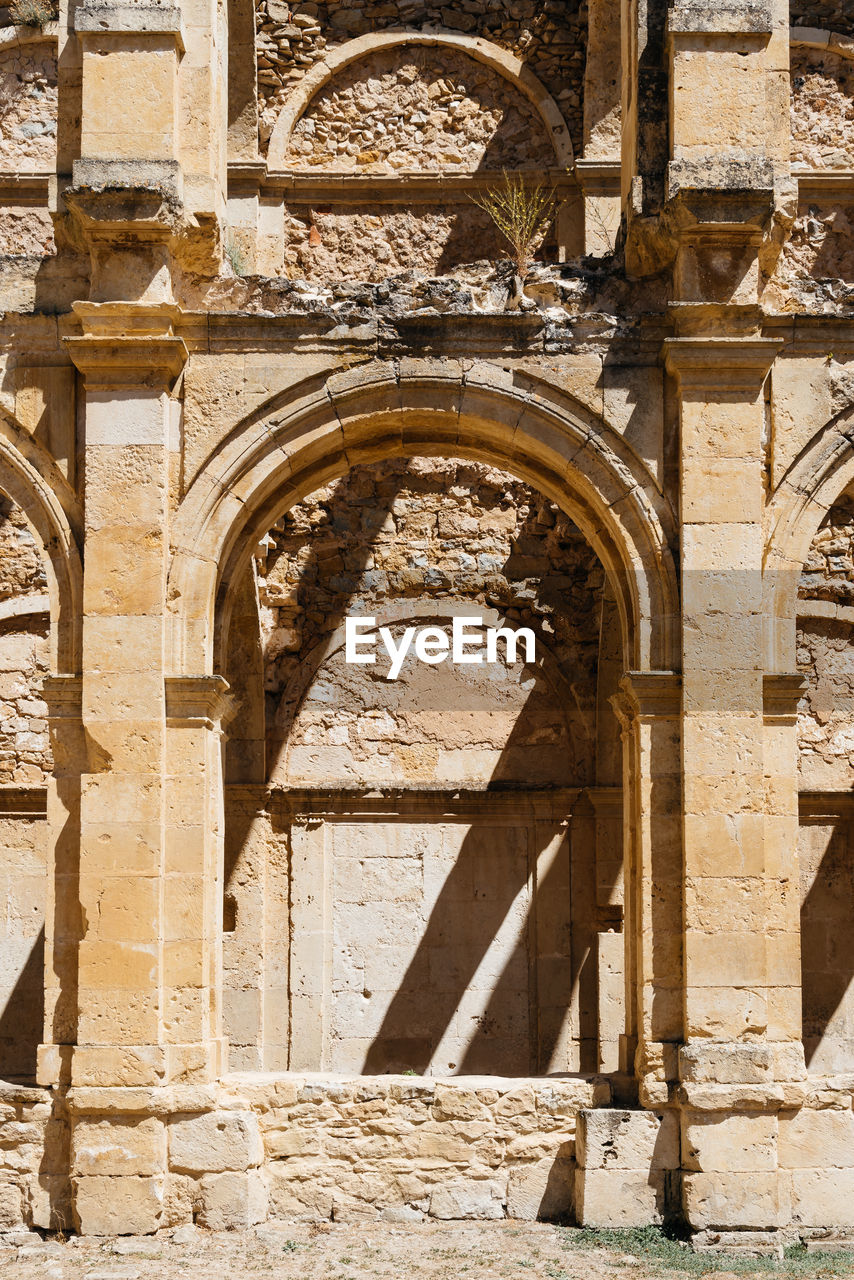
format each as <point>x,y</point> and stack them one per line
<point>144,1159</point>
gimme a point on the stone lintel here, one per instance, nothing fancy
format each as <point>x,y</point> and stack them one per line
<point>111,362</point>
<point>710,365</point>
<point>105,20</point>
<point>196,700</point>
<point>781,693</point>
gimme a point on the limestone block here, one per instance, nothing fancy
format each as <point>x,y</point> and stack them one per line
<point>714,1143</point>
<point>725,1063</point>
<point>823,1197</point>
<point>816,1140</point>
<point>542,1190</point>
<point>743,1201</point>
<point>469,1199</point>
<point>627,1140</point>
<point>215,1142</point>
<point>50,1202</point>
<point>620,1198</point>
<point>179,1192</point>
<point>11,1205</point>
<point>107,1206</point>
<point>232,1201</point>
<point>305,1197</point>
<point>113,1146</point>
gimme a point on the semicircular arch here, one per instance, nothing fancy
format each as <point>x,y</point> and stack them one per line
<point>504,64</point>
<point>822,471</point>
<point>320,429</point>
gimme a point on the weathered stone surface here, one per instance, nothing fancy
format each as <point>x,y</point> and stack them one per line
<point>232,1201</point>
<point>106,1206</point>
<point>218,1141</point>
<point>628,1140</point>
<point>468,1199</point>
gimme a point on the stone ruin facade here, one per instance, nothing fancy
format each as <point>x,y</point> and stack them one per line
<point>564,936</point>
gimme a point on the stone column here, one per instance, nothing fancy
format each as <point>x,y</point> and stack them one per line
<point>742,1054</point>
<point>648,708</point>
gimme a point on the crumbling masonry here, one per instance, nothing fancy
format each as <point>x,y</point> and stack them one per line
<point>282,938</point>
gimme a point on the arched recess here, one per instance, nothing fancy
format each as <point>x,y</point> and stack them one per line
<point>31,479</point>
<point>821,472</point>
<point>319,429</point>
<point>498,60</point>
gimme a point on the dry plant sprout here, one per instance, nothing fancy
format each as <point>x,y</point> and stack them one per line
<point>522,214</point>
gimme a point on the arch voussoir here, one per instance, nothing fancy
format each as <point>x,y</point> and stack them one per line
<point>321,429</point>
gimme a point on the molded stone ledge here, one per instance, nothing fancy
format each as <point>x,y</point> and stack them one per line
<point>135,19</point>
<point>127,176</point>
<point>732,17</point>
<point>716,174</point>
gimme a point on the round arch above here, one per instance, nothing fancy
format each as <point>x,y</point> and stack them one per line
<point>491,55</point>
<point>321,428</point>
<point>31,479</point>
<point>814,481</point>
<point>818,38</point>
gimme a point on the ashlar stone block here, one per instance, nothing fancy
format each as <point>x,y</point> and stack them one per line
<point>215,1142</point>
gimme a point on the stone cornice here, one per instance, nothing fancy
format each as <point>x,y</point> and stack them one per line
<point>713,364</point>
<point>64,696</point>
<point>648,695</point>
<point>113,361</point>
<point>781,693</point>
<point>196,700</point>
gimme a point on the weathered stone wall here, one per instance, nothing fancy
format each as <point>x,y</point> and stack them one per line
<point>34,1185</point>
<point>449,934</point>
<point>423,110</point>
<point>403,1149</point>
<point>826,762</point>
<point>25,762</point>
<point>26,232</point>
<point>822,109</point>
<point>826,654</point>
<point>23,893</point>
<point>427,530</point>
<point>549,37</point>
<point>829,15</point>
<point>24,747</point>
<point>384,240</point>
<point>816,266</point>
<point>28,108</point>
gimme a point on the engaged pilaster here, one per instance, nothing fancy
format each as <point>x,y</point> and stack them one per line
<point>742,1056</point>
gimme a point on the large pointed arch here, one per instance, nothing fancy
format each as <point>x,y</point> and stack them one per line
<point>321,428</point>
